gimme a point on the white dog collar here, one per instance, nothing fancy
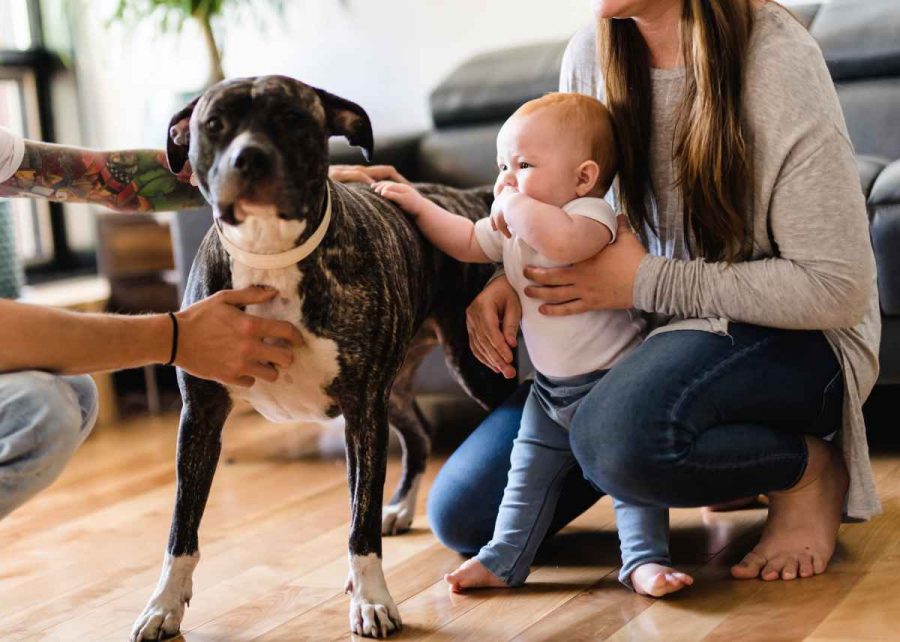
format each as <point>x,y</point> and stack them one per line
<point>281,259</point>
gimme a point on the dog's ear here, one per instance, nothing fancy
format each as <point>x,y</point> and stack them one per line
<point>346,118</point>
<point>179,137</point>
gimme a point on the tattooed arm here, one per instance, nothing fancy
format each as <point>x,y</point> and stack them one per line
<point>127,181</point>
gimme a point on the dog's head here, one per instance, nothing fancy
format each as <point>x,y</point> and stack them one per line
<point>260,145</point>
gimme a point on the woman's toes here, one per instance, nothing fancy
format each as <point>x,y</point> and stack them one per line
<point>749,567</point>
<point>819,564</point>
<point>772,569</point>
<point>791,568</point>
<point>806,566</point>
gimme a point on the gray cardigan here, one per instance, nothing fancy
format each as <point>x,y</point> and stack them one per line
<point>812,266</point>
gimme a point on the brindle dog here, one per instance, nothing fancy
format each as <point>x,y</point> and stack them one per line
<point>369,300</point>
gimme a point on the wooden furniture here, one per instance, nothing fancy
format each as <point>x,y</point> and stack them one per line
<point>83,294</point>
<point>134,252</point>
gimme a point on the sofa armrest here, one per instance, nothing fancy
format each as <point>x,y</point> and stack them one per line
<point>884,212</point>
<point>400,151</point>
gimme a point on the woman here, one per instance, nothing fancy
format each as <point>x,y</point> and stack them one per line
<point>738,173</point>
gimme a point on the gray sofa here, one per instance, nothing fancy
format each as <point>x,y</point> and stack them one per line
<point>861,43</point>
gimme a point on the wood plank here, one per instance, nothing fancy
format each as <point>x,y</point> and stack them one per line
<point>79,562</point>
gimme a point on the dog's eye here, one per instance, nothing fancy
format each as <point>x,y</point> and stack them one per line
<point>294,119</point>
<point>214,125</point>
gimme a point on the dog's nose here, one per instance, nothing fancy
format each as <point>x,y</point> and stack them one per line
<point>251,161</point>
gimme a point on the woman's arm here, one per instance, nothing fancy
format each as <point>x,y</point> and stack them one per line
<point>558,235</point>
<point>134,180</point>
<point>824,274</point>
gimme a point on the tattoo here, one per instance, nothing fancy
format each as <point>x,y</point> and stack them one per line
<point>127,181</point>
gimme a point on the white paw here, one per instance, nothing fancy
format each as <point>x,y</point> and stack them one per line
<point>373,612</point>
<point>396,518</point>
<point>374,620</point>
<point>161,619</point>
<point>162,616</point>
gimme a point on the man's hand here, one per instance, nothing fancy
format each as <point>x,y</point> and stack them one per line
<point>403,194</point>
<point>220,342</point>
<point>368,174</point>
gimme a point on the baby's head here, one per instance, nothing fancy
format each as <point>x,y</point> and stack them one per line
<point>557,148</point>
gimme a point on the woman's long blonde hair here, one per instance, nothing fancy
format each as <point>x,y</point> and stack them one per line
<point>711,156</point>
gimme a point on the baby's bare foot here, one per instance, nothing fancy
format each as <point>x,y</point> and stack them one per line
<point>801,530</point>
<point>657,580</point>
<point>472,574</point>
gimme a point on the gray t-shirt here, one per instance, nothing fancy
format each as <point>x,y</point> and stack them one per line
<point>812,266</point>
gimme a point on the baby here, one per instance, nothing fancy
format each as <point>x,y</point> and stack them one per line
<point>557,158</point>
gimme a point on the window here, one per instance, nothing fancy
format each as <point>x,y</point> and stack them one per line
<point>19,113</point>
<point>26,70</point>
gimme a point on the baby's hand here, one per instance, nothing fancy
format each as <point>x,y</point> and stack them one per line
<point>406,196</point>
<point>498,223</point>
<point>498,217</point>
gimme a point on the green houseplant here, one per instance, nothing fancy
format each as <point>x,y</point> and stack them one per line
<point>172,14</point>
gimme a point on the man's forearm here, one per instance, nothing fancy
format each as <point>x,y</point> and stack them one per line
<point>134,180</point>
<point>43,338</point>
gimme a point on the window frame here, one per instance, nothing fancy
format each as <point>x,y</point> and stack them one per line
<point>43,64</point>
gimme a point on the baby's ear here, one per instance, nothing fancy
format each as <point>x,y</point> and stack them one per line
<point>588,175</point>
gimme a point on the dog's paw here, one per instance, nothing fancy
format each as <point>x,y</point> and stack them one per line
<point>396,518</point>
<point>161,619</point>
<point>163,614</point>
<point>374,620</point>
<point>373,612</point>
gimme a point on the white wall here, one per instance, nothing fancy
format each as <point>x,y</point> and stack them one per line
<point>384,55</point>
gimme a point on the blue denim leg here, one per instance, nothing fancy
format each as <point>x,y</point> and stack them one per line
<point>465,498</point>
<point>43,420</point>
<point>693,418</point>
<point>540,461</point>
<point>643,537</point>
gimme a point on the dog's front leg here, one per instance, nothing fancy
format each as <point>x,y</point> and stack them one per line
<point>373,612</point>
<point>206,406</point>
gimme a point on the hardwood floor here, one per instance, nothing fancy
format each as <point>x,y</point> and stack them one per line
<point>80,560</point>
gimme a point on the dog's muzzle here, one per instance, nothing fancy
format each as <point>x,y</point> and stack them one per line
<point>282,259</point>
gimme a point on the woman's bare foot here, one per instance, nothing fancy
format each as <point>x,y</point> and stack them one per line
<point>657,580</point>
<point>801,530</point>
<point>472,574</point>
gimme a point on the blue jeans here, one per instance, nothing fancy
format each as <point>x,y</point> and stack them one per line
<point>688,418</point>
<point>540,460</point>
<point>43,420</point>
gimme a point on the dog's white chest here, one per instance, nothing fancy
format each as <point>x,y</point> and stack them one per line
<point>299,393</point>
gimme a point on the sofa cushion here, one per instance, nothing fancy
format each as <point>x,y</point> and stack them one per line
<point>884,227</point>
<point>859,39</point>
<point>461,157</point>
<point>805,13</point>
<point>491,86</point>
<point>871,108</point>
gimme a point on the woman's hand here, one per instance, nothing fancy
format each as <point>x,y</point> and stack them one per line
<point>493,320</point>
<point>368,174</point>
<point>403,194</point>
<point>603,282</point>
